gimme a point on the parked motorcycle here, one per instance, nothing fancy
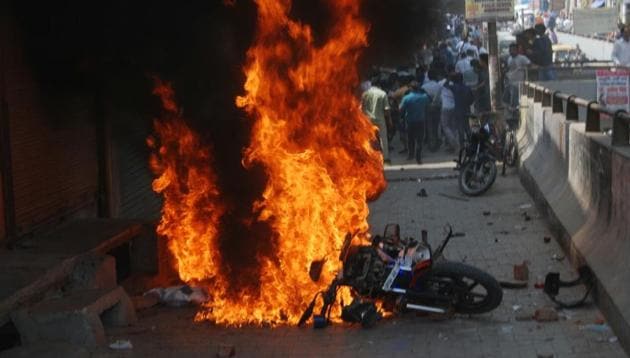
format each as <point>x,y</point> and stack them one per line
<point>477,162</point>
<point>403,275</point>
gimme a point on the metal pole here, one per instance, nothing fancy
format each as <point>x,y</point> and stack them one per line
<point>494,66</point>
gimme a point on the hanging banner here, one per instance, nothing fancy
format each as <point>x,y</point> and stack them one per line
<point>489,10</point>
<point>613,89</point>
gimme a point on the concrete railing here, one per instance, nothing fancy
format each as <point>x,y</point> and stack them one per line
<point>579,178</point>
<point>569,104</point>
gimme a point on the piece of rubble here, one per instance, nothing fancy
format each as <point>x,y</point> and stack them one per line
<point>557,257</point>
<point>521,272</point>
<point>546,314</point>
<point>121,344</point>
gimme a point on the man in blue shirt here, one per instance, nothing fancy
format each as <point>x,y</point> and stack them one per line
<point>413,110</point>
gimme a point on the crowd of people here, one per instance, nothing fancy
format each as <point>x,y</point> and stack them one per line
<point>429,104</point>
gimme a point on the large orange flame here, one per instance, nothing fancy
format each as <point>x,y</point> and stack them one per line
<point>314,143</point>
<point>192,208</point>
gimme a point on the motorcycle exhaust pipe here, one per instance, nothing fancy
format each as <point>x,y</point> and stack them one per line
<point>425,308</point>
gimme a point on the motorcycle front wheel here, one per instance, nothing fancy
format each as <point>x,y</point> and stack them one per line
<point>472,290</point>
<point>476,177</point>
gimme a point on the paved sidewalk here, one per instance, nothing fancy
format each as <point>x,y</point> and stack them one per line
<point>493,243</point>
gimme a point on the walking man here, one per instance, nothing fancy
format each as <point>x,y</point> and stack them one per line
<point>413,109</point>
<point>621,51</point>
<point>375,105</point>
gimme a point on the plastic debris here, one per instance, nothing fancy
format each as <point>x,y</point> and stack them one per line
<point>598,328</point>
<point>613,339</point>
<point>525,206</point>
<point>442,337</point>
<point>557,257</point>
<point>517,308</point>
<point>121,344</point>
<point>506,329</point>
<point>178,296</point>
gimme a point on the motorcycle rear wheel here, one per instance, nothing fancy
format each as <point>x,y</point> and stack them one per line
<point>474,291</point>
<point>467,177</point>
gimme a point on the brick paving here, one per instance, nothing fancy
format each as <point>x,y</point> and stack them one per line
<point>493,243</point>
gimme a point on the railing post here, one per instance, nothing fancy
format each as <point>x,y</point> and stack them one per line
<point>538,94</point>
<point>547,98</point>
<point>572,109</point>
<point>592,118</point>
<point>530,90</point>
<point>557,103</point>
<point>621,128</point>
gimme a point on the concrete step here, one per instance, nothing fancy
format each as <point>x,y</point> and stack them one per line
<point>78,318</point>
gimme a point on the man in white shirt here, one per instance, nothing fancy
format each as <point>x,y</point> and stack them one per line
<point>375,105</point>
<point>621,50</point>
<point>447,115</point>
<point>463,64</point>
<point>432,88</point>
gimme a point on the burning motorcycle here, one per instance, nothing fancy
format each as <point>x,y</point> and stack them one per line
<point>404,275</point>
<point>477,162</point>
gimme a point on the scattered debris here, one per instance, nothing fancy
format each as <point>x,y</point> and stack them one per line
<point>546,314</point>
<point>600,320</point>
<point>442,337</point>
<point>613,339</point>
<point>515,285</point>
<point>453,197</point>
<point>557,257</point>
<point>565,315</point>
<point>121,344</point>
<point>520,227</point>
<point>507,329</point>
<point>547,239</point>
<point>539,285</point>
<point>598,328</point>
<point>521,272</point>
<point>486,213</point>
<point>496,240</point>
<point>226,351</point>
<point>545,355</point>
<point>422,193</point>
<point>421,179</point>
<point>525,206</point>
<point>526,216</point>
<point>490,223</point>
<point>178,296</point>
<point>459,234</point>
<point>504,232</point>
<point>517,308</point>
